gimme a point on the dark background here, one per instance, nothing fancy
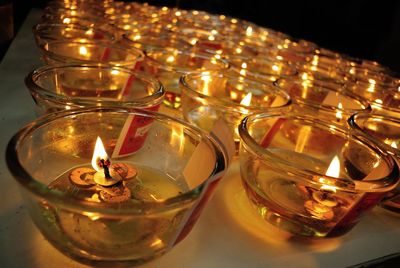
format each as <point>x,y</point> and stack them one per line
<point>363,29</point>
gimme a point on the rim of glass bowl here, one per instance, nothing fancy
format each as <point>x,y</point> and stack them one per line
<point>292,69</point>
<point>65,59</point>
<point>253,147</point>
<point>156,98</point>
<point>43,26</point>
<point>73,203</point>
<point>330,86</point>
<point>193,92</point>
<point>362,75</point>
<point>126,37</point>
<point>225,65</point>
<point>380,117</point>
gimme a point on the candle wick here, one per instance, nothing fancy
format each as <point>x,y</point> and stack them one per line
<point>105,164</point>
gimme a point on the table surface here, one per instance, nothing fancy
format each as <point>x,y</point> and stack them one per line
<point>228,234</point>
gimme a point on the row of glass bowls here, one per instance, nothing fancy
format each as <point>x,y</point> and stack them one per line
<point>308,116</point>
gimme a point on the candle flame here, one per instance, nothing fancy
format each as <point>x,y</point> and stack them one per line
<point>206,78</point>
<point>315,60</point>
<point>83,50</point>
<point>339,115</point>
<point>246,100</point>
<point>66,20</point>
<point>332,171</point>
<point>394,145</point>
<point>170,58</point>
<point>99,153</point>
<point>249,31</point>
<point>276,68</point>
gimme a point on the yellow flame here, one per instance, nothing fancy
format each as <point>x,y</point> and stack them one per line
<point>99,153</point>
<point>332,171</point>
<point>249,31</point>
<point>67,20</point>
<point>170,58</point>
<point>89,32</point>
<point>394,145</point>
<point>315,60</point>
<point>246,100</point>
<point>276,68</point>
<point>371,88</point>
<point>339,113</point>
<point>83,50</point>
<point>234,95</point>
<point>206,78</point>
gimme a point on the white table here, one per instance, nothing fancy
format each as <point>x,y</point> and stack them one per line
<point>228,234</point>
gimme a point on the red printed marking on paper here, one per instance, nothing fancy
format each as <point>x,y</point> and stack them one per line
<point>266,141</point>
<point>98,35</point>
<point>133,134</point>
<point>210,45</point>
<point>131,79</point>
<point>106,54</point>
<point>194,216</point>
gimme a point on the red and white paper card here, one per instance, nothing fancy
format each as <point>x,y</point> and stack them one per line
<point>133,134</point>
<point>204,158</point>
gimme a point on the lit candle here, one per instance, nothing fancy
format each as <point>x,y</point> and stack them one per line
<point>323,201</point>
<point>105,175</point>
<point>104,179</point>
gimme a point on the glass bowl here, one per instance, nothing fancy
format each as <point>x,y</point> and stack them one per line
<point>158,197</point>
<point>157,39</point>
<point>46,32</point>
<point>383,99</point>
<point>90,52</point>
<point>309,177</point>
<point>169,64</point>
<point>71,85</point>
<point>261,68</point>
<point>212,96</point>
<point>323,99</point>
<point>385,131</point>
